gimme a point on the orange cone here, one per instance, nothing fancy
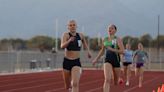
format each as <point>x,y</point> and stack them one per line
<point>162,89</point>
<point>158,90</point>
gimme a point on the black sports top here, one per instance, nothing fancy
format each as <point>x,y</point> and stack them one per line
<point>76,44</point>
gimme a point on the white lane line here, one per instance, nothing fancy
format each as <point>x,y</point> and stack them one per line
<point>26,82</point>
<point>33,86</point>
<point>136,86</point>
<point>94,89</point>
<point>90,82</point>
<point>24,76</point>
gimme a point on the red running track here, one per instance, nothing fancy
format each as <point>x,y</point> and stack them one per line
<point>91,81</point>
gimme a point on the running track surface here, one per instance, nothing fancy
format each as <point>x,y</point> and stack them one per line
<point>91,81</point>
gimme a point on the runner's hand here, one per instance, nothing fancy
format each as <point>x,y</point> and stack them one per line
<point>94,61</point>
<point>71,39</point>
<point>89,55</point>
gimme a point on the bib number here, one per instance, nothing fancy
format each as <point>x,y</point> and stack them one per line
<point>79,43</point>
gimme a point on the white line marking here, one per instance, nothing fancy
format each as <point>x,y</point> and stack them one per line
<point>136,86</point>
<point>80,85</point>
<point>32,81</point>
<point>33,86</point>
<point>93,89</point>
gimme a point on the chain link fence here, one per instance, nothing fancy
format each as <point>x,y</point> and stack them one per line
<point>22,61</point>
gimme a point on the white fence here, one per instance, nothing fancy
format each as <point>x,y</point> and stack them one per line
<point>21,61</point>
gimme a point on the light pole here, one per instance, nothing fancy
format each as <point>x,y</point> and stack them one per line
<point>158,33</point>
<point>56,35</point>
<point>158,44</point>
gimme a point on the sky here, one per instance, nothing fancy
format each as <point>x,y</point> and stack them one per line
<point>28,18</point>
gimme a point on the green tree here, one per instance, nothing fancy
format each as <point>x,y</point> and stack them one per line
<point>161,41</point>
<point>94,45</point>
<point>133,41</point>
<point>146,40</point>
<point>41,42</point>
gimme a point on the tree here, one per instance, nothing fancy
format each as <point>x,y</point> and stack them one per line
<point>127,39</point>
<point>41,42</point>
<point>161,41</point>
<point>132,41</point>
<point>145,40</point>
<point>94,44</point>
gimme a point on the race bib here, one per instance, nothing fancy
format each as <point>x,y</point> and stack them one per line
<point>79,43</point>
<point>114,42</point>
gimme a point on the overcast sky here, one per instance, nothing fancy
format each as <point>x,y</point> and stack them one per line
<point>28,18</point>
